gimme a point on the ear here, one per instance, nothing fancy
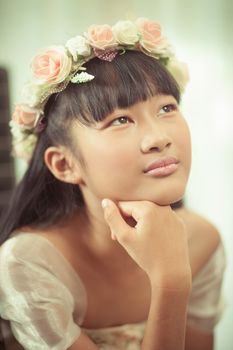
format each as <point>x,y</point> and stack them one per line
<point>63,165</point>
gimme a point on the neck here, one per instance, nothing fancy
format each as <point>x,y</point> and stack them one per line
<point>95,237</point>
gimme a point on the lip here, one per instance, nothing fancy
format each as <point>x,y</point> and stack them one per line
<point>162,167</point>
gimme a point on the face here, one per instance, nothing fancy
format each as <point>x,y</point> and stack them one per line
<point>118,151</point>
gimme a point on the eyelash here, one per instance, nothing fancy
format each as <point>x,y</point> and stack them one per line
<point>173,107</point>
<point>117,119</point>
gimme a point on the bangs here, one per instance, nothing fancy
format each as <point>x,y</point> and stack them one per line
<point>130,78</point>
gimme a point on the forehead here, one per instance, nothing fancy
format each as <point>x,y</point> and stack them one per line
<point>127,80</point>
<point>156,101</point>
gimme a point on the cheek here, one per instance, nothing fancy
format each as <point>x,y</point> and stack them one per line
<point>110,156</point>
<point>184,143</point>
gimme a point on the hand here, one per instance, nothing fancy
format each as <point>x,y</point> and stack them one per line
<point>157,242</point>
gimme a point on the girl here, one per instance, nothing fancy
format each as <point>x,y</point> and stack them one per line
<point>93,255</point>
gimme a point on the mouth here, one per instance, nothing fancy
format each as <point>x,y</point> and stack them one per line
<point>162,167</point>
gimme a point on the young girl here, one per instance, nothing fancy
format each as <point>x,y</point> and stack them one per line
<point>93,256</point>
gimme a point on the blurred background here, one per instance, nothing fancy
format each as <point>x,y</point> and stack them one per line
<point>202,33</point>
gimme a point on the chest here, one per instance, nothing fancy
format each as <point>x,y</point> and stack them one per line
<point>118,297</point>
<point>115,299</point>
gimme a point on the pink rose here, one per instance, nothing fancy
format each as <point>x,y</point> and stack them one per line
<point>25,116</point>
<point>51,66</point>
<point>150,34</point>
<point>101,37</point>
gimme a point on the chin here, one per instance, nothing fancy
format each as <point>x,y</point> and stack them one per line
<point>163,194</point>
<point>167,196</point>
<point>168,201</point>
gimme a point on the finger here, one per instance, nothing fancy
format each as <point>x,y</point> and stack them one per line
<point>137,209</point>
<point>117,224</point>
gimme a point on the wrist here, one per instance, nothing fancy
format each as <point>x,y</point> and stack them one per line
<point>178,282</point>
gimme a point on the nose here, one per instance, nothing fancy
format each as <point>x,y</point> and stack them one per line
<point>156,139</point>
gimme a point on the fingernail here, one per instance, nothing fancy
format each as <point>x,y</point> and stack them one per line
<point>105,203</point>
<point>113,237</point>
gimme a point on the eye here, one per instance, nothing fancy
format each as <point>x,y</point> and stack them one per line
<point>120,121</point>
<point>168,109</point>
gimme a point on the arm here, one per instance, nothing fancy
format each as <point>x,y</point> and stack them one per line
<point>196,339</point>
<point>158,244</point>
<point>166,321</point>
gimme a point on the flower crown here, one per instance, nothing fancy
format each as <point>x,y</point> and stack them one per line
<point>54,67</point>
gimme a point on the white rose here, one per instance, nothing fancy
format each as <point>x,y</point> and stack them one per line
<point>78,46</point>
<point>179,71</point>
<point>31,94</point>
<point>24,148</point>
<point>16,131</point>
<point>126,32</point>
<point>165,49</point>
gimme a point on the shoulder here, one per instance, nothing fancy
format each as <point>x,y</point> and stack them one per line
<point>23,245</point>
<point>37,290</point>
<point>208,263</point>
<point>203,238</point>
<point>34,254</point>
<point>29,253</point>
<point>24,255</point>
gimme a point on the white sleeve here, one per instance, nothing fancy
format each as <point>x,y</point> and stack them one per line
<point>37,304</point>
<point>206,303</point>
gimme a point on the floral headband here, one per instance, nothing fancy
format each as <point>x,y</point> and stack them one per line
<point>54,67</point>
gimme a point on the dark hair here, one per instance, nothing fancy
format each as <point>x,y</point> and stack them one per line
<point>41,200</point>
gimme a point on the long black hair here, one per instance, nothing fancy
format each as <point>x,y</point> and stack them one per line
<point>40,200</point>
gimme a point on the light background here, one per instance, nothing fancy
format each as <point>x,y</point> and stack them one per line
<point>202,32</point>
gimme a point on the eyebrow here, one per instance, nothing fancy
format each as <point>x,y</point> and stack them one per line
<point>125,109</point>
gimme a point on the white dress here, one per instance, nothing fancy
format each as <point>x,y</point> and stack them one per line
<point>43,301</point>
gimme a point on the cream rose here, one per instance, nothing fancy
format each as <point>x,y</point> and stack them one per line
<point>179,71</point>
<point>126,32</point>
<point>24,148</point>
<point>101,37</point>
<point>78,46</point>
<point>51,66</point>
<point>25,116</point>
<point>165,49</point>
<point>31,94</point>
<point>150,31</point>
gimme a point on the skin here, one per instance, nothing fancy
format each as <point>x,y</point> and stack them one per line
<point>142,133</point>
<point>126,142</point>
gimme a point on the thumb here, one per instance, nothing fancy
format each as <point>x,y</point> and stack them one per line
<point>117,224</point>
